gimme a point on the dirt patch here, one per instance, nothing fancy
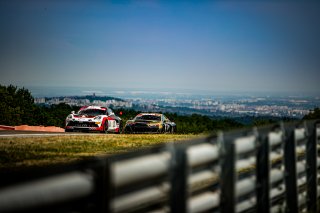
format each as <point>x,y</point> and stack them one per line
<point>33,128</point>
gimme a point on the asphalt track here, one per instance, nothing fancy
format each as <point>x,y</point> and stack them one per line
<point>14,133</point>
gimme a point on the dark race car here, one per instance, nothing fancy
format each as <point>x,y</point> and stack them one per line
<point>93,118</point>
<point>150,122</point>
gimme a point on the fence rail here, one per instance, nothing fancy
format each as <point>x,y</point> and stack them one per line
<point>269,169</point>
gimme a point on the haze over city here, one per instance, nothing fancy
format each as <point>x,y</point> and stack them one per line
<point>207,45</point>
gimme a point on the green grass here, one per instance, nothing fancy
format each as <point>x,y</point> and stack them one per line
<point>16,153</point>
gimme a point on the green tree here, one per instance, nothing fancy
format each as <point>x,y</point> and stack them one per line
<point>314,114</point>
<point>16,106</point>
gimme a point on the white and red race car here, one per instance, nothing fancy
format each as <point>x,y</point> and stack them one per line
<point>93,118</point>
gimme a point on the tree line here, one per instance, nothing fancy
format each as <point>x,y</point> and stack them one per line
<point>17,107</point>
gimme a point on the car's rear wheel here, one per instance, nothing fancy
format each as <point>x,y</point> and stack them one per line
<point>68,130</point>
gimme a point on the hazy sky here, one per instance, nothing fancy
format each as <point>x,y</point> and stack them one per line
<point>212,45</point>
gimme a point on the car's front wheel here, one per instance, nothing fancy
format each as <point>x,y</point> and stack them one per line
<point>128,130</point>
<point>105,127</point>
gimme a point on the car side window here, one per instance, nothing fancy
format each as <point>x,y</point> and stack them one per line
<point>109,111</point>
<point>165,119</point>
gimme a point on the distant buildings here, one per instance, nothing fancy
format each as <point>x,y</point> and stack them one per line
<point>83,102</point>
<point>211,107</point>
<point>39,100</point>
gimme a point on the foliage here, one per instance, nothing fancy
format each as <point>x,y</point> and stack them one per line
<point>314,114</point>
<point>262,121</point>
<point>199,123</point>
<point>53,115</point>
<point>16,106</point>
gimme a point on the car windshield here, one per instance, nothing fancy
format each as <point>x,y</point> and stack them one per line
<point>92,112</point>
<point>148,117</point>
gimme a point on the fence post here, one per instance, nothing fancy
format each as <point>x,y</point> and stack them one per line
<point>312,167</point>
<point>227,180</point>
<point>263,174</point>
<point>108,187</point>
<point>178,179</point>
<point>290,159</point>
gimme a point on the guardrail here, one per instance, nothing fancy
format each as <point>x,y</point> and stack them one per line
<point>269,169</point>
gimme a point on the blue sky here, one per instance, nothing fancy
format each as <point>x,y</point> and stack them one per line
<point>206,45</point>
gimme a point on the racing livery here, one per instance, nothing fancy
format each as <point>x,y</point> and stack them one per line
<point>93,118</point>
<point>150,122</point>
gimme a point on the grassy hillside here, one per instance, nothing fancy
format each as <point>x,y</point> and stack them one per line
<point>42,151</point>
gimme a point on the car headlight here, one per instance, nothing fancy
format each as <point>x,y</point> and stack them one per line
<point>69,117</point>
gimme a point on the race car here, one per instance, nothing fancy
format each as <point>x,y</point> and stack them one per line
<point>150,122</point>
<point>93,118</point>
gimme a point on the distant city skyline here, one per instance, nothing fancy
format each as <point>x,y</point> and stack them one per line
<point>218,105</point>
<point>263,46</point>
